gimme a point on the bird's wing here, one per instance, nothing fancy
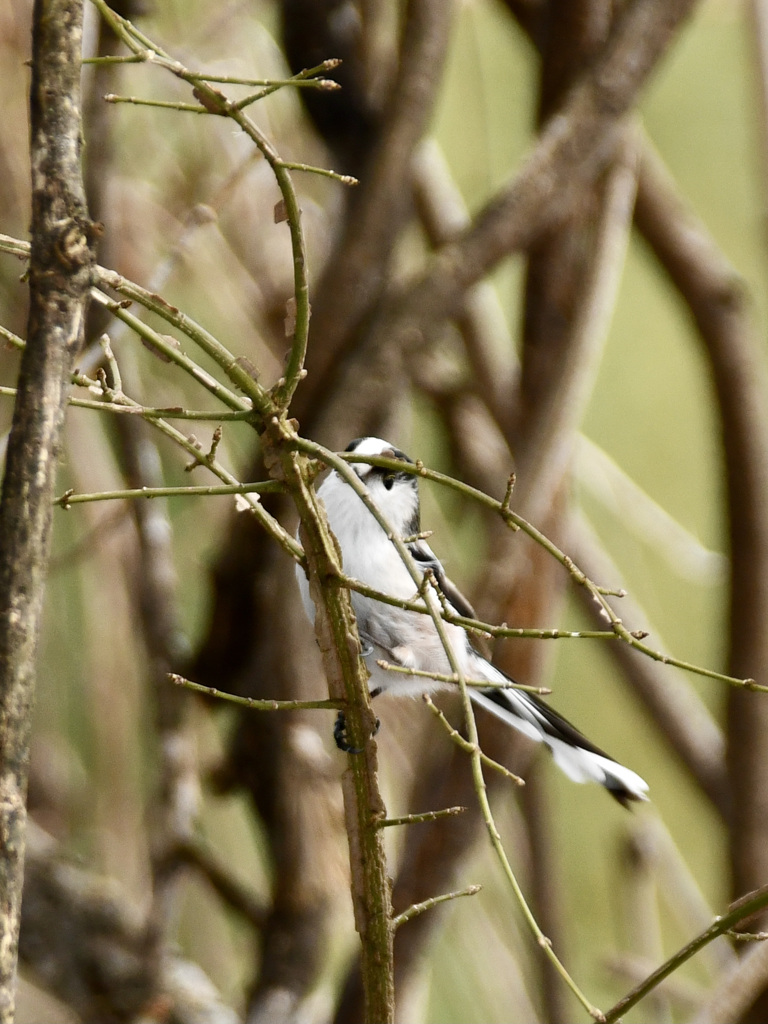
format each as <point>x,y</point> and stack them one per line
<point>425,556</point>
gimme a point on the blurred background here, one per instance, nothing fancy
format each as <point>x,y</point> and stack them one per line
<point>638,438</point>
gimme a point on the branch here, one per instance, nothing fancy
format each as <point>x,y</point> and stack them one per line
<point>357,272</point>
<point>418,908</point>
<point>681,717</point>
<point>575,145</point>
<point>716,299</point>
<point>746,907</point>
<point>60,269</point>
<point>597,592</point>
<point>347,677</point>
<point>215,102</point>
<point>100,935</point>
<point>252,702</point>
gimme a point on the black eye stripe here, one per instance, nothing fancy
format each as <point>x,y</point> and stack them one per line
<point>391,474</point>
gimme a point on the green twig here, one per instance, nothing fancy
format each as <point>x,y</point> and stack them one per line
<point>345,179</point>
<point>631,638</point>
<point>262,487</point>
<point>471,625</point>
<point>112,58</point>
<point>215,102</point>
<point>470,746</point>
<point>138,101</point>
<point>252,702</point>
<point>235,369</point>
<point>742,909</point>
<point>418,908</point>
<point>419,819</point>
<point>453,680</point>
<point>478,758</point>
<point>306,78</point>
<point>11,339</point>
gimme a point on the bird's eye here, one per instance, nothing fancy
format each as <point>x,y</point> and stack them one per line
<point>388,479</point>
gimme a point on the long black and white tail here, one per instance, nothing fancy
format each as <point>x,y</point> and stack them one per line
<point>579,759</point>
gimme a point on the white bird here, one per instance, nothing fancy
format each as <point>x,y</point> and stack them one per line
<point>410,639</point>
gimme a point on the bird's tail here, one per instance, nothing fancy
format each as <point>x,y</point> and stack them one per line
<point>574,754</point>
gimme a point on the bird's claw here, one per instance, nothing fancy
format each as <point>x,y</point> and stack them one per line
<point>340,735</point>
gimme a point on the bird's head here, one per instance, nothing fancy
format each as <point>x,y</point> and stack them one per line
<point>395,493</point>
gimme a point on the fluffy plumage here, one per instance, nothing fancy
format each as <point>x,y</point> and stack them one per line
<point>409,639</point>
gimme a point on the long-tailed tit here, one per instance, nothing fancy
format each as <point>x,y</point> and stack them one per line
<point>410,639</point>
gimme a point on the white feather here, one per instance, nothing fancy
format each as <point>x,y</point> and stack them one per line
<point>410,640</point>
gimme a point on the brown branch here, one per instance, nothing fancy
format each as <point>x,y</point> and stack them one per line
<point>565,343</point>
<point>490,349</point>
<point>347,678</point>
<point>678,713</point>
<point>575,145</point>
<point>60,268</point>
<point>356,275</point>
<point>196,854</point>
<point>85,941</point>
<point>176,791</point>
<point>716,299</point>
<point>737,989</point>
<point>545,443</point>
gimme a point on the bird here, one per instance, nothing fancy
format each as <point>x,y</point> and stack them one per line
<point>409,639</point>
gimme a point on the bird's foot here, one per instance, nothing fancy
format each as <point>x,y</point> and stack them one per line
<point>340,735</point>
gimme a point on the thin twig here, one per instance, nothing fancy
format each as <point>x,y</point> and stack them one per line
<point>599,593</point>
<point>747,906</point>
<point>263,487</point>
<point>470,747</point>
<point>439,677</point>
<point>418,819</point>
<point>253,702</point>
<point>215,102</point>
<point>418,908</point>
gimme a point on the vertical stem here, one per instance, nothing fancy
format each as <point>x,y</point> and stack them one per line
<point>347,679</point>
<point>59,278</point>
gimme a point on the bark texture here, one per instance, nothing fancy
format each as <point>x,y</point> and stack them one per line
<point>59,278</point>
